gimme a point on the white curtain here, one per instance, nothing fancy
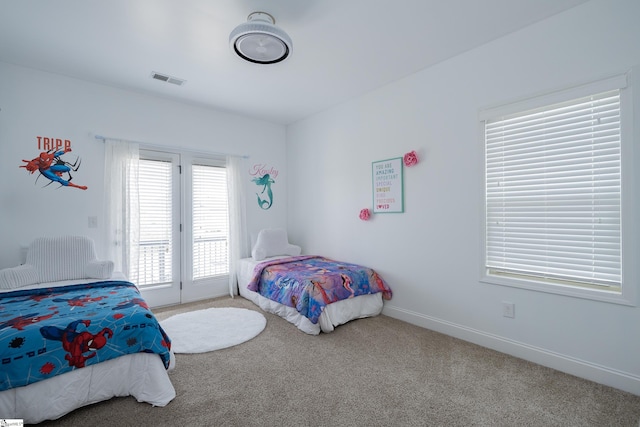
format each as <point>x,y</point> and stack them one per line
<point>122,222</point>
<point>239,246</point>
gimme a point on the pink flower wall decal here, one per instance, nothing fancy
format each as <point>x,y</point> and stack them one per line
<point>365,214</point>
<point>410,159</point>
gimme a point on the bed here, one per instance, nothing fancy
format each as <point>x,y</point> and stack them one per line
<point>73,333</point>
<point>311,292</point>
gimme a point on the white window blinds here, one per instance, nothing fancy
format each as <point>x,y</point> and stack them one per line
<point>210,221</point>
<point>155,246</point>
<point>553,183</point>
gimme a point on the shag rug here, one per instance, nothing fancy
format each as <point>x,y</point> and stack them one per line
<point>212,329</point>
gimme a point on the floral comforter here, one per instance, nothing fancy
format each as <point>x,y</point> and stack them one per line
<point>49,331</point>
<point>309,283</point>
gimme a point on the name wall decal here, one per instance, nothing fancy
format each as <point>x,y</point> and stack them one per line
<point>50,163</point>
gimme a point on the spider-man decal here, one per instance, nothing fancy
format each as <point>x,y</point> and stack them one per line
<point>77,343</point>
<point>52,167</point>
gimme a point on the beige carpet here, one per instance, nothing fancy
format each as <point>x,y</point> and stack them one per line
<point>369,372</point>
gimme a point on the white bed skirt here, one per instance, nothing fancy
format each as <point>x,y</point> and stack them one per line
<point>334,314</point>
<point>141,375</point>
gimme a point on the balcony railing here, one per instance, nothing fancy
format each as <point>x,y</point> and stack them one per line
<point>154,264</point>
<point>210,257</point>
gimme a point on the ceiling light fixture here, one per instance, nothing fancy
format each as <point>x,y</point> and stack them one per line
<point>259,41</point>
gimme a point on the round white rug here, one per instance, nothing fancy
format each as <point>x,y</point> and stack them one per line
<point>212,329</point>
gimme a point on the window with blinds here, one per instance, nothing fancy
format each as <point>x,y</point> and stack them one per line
<point>155,247</point>
<point>210,218</point>
<point>553,193</point>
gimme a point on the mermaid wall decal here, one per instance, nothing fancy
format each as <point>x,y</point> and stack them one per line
<point>265,181</point>
<point>264,176</point>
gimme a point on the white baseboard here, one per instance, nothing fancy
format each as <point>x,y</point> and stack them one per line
<point>214,290</point>
<point>567,364</point>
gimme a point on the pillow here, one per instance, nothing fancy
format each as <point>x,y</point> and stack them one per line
<point>273,242</point>
<point>99,269</point>
<point>258,253</point>
<point>293,250</point>
<point>16,277</point>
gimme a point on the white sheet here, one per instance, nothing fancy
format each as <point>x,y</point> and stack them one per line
<point>115,276</point>
<point>141,375</point>
<point>334,314</point>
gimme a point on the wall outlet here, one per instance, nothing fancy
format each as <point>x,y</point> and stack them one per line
<point>93,222</point>
<point>508,309</point>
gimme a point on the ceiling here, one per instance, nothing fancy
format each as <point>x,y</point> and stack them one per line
<point>341,48</point>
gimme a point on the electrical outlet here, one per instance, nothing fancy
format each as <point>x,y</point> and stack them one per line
<point>93,222</point>
<point>508,309</point>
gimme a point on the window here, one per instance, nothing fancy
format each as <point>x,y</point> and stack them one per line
<point>210,221</point>
<point>183,240</point>
<point>175,220</point>
<point>156,206</point>
<point>553,181</point>
<point>155,247</point>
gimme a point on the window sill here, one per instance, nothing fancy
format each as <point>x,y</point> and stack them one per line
<point>613,297</point>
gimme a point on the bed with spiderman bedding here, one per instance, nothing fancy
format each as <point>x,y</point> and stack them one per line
<point>314,293</point>
<point>69,343</point>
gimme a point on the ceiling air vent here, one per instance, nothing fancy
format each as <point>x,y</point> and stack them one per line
<point>168,79</point>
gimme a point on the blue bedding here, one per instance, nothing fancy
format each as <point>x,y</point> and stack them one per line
<point>49,331</point>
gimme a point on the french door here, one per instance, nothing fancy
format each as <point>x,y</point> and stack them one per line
<point>182,250</point>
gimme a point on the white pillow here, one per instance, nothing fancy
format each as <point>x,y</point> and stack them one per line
<point>273,242</point>
<point>16,277</point>
<point>99,269</point>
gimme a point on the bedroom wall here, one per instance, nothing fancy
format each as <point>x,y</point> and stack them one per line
<point>430,254</point>
<point>36,104</point>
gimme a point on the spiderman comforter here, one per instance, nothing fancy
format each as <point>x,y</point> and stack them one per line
<point>309,283</point>
<point>49,331</point>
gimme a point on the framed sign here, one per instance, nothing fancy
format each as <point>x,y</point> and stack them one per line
<point>388,196</point>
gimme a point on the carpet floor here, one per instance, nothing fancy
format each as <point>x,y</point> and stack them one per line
<point>369,372</point>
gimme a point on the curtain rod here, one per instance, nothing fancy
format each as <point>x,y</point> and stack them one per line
<point>164,147</point>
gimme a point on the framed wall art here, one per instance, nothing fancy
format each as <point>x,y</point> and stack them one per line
<point>388,193</point>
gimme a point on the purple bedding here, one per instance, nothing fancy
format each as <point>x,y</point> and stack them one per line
<point>309,283</point>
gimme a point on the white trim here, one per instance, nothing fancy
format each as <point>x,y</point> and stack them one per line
<point>581,368</point>
<point>603,85</point>
<point>624,298</point>
<point>167,148</point>
<point>630,98</point>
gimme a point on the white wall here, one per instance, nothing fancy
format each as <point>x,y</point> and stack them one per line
<point>430,254</point>
<point>34,104</point>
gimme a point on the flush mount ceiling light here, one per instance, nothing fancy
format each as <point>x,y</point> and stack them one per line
<point>259,41</point>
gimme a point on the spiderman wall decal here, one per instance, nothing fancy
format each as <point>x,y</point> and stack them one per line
<point>51,165</point>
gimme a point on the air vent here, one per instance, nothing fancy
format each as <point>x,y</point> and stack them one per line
<point>168,79</point>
